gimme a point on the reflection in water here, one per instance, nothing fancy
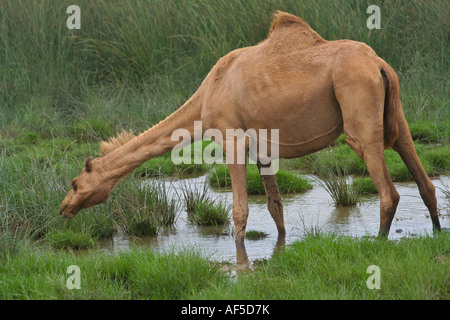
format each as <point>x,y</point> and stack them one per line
<point>343,214</point>
<point>241,252</point>
<point>304,212</point>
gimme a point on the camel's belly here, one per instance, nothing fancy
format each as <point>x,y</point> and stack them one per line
<point>304,130</point>
<point>300,143</point>
<point>309,145</point>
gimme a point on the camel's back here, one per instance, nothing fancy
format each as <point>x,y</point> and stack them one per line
<point>293,60</point>
<point>292,50</point>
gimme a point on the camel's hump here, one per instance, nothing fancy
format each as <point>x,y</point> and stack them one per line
<point>283,19</point>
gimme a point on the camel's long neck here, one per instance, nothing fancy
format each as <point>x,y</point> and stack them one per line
<point>153,142</point>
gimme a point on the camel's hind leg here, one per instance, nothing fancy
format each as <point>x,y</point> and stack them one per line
<point>405,147</point>
<point>274,203</point>
<point>373,156</point>
<point>362,105</point>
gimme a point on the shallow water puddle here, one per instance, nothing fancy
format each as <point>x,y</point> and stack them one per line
<point>312,210</point>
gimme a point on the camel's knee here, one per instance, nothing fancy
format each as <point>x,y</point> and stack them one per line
<point>395,198</point>
<point>275,206</point>
<point>390,201</point>
<point>388,208</point>
<point>240,216</point>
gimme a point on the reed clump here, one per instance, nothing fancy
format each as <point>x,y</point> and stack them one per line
<point>203,207</point>
<point>335,180</point>
<point>141,210</point>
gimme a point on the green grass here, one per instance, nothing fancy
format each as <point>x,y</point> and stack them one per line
<point>330,267</point>
<point>334,179</point>
<point>203,207</point>
<point>70,240</point>
<point>194,194</point>
<point>438,158</point>
<point>138,274</point>
<point>365,185</point>
<point>255,235</point>
<point>206,213</point>
<point>143,210</point>
<point>164,166</point>
<point>318,267</point>
<point>93,129</point>
<point>288,182</point>
<point>430,132</point>
<point>340,157</point>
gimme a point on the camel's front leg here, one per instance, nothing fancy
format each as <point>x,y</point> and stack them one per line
<point>238,173</point>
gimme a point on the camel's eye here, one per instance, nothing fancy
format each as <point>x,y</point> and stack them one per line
<point>74,186</point>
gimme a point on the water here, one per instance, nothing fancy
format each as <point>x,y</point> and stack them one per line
<point>313,210</point>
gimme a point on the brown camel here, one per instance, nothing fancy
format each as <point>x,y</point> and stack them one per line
<point>310,89</point>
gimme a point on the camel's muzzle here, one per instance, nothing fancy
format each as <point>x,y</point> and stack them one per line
<point>64,213</point>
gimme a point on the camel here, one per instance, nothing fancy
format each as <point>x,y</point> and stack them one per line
<point>311,89</point>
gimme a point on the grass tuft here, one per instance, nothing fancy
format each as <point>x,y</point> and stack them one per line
<point>288,182</point>
<point>143,210</point>
<point>70,239</point>
<point>215,213</point>
<point>335,180</point>
<point>255,235</point>
<point>365,185</point>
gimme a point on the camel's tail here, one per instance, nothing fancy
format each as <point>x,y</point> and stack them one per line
<point>392,105</point>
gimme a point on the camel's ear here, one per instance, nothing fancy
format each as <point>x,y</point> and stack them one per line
<point>88,165</point>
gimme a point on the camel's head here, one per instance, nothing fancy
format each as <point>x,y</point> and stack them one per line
<point>92,187</point>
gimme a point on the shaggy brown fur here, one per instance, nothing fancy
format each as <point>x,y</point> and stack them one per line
<point>308,88</point>
<point>114,143</point>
